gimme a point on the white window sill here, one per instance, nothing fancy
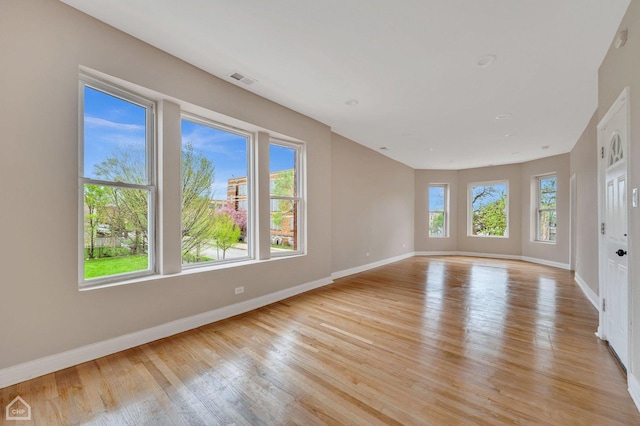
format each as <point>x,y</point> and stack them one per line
<point>187,271</point>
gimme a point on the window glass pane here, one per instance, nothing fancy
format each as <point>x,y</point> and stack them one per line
<point>282,166</point>
<point>547,194</point>
<point>285,207</point>
<point>116,224</point>
<point>214,194</point>
<point>283,234</point>
<point>547,225</point>
<point>114,138</point>
<point>436,224</point>
<point>489,210</point>
<point>437,214</point>
<point>436,198</point>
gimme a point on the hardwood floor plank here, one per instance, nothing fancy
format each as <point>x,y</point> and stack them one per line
<point>427,340</point>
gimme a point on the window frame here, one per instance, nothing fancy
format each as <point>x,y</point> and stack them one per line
<point>470,187</point>
<point>537,210</point>
<point>151,186</point>
<point>197,119</point>
<point>444,211</point>
<point>163,231</point>
<point>299,199</point>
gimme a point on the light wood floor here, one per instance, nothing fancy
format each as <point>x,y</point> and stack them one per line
<point>436,341</point>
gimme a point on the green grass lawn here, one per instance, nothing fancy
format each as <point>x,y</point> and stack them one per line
<point>114,265</point>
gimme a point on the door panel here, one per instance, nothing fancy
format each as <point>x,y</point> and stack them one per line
<point>613,136</point>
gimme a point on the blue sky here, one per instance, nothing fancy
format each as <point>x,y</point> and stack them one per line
<point>436,198</point>
<point>112,124</point>
<point>227,151</point>
<point>498,190</point>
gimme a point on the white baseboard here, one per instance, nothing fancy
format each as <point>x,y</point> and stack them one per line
<point>436,253</point>
<point>496,256</point>
<point>634,389</point>
<point>358,269</point>
<point>39,367</point>
<point>591,295</point>
<point>552,263</point>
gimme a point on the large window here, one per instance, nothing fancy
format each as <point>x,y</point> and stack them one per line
<point>117,182</point>
<point>214,192</point>
<point>285,195</point>
<point>194,189</point>
<point>546,191</point>
<point>438,200</point>
<point>488,209</point>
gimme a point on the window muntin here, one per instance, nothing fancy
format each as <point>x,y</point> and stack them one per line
<point>546,215</point>
<point>215,204</point>
<point>488,209</point>
<point>438,205</point>
<point>118,191</point>
<point>285,176</point>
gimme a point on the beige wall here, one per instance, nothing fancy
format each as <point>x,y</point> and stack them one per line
<point>584,166</point>
<point>558,252</point>
<point>43,43</point>
<point>373,206</point>
<point>424,243</point>
<point>619,70</point>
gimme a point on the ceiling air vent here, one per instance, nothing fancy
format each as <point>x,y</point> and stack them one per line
<point>242,78</point>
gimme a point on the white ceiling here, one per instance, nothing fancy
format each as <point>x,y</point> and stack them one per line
<point>411,65</point>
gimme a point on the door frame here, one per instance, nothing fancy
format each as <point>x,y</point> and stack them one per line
<point>621,102</point>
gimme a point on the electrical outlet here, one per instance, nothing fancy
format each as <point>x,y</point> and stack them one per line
<point>239,290</point>
<point>367,254</point>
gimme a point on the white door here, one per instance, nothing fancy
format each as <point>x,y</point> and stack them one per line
<point>613,136</point>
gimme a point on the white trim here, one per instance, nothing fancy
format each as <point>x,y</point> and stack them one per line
<point>634,389</point>
<point>357,269</point>
<point>38,367</point>
<point>436,253</point>
<point>547,262</point>
<point>591,295</point>
<point>495,256</point>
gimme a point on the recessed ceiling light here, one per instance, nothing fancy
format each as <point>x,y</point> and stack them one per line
<point>545,147</point>
<point>352,102</point>
<point>486,60</point>
<point>503,116</point>
<point>508,135</point>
